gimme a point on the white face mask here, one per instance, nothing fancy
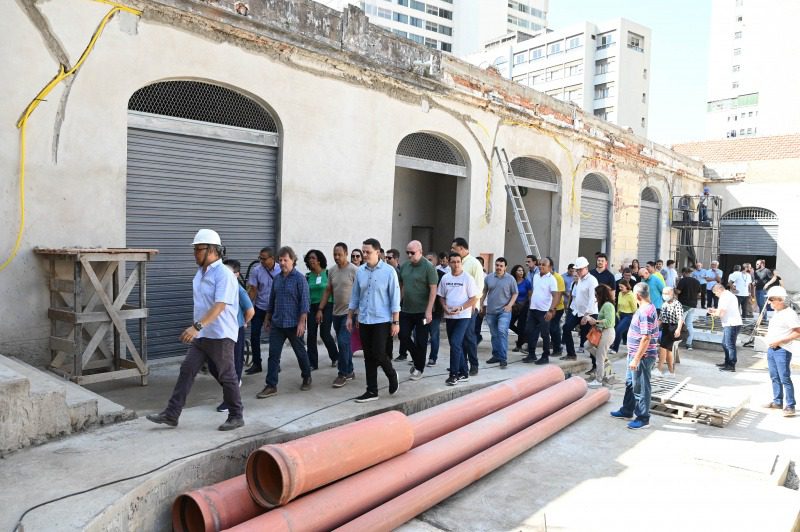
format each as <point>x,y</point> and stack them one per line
<point>667,298</point>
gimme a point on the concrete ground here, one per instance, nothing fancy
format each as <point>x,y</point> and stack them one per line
<point>594,475</point>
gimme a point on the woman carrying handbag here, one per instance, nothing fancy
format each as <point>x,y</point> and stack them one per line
<point>603,333</point>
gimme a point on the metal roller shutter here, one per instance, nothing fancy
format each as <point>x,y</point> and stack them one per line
<point>178,184</point>
<point>748,238</point>
<point>594,217</point>
<point>649,216</point>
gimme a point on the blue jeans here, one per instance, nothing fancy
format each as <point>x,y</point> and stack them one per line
<point>536,326</point>
<point>470,345</point>
<point>498,325</point>
<point>456,333</point>
<point>343,343</point>
<point>761,299</point>
<point>435,334</point>
<point>325,331</point>
<point>779,362</point>
<point>278,337</point>
<point>622,330</point>
<point>257,325</point>
<point>729,335</point>
<point>570,323</point>
<point>637,390</point>
<point>688,320</point>
<point>555,332</point>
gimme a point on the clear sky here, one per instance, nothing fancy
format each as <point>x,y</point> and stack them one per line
<point>678,57</point>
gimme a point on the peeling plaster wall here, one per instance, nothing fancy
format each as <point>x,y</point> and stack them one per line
<point>344,95</point>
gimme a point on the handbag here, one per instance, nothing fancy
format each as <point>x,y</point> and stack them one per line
<point>593,336</point>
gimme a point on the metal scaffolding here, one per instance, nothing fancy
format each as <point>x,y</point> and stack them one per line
<point>695,229</point>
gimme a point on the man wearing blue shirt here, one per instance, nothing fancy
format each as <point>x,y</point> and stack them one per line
<point>376,296</point>
<point>259,288</point>
<point>213,334</point>
<point>700,274</point>
<point>286,319</point>
<point>656,286</point>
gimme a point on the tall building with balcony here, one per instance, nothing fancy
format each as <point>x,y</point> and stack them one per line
<point>602,68</point>
<point>456,26</point>
<point>750,73</point>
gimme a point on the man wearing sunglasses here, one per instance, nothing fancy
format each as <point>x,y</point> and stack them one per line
<point>259,288</point>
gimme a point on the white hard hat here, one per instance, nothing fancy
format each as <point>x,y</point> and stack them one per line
<point>207,236</point>
<point>581,262</point>
<point>776,291</point>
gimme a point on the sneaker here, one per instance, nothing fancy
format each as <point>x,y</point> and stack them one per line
<point>410,362</point>
<point>463,378</point>
<point>655,373</point>
<point>503,364</point>
<point>252,370</point>
<point>529,359</point>
<point>732,369</point>
<point>689,348</point>
<point>516,349</point>
<point>451,381</point>
<point>306,384</point>
<point>473,371</point>
<point>339,381</point>
<point>222,407</point>
<point>637,424</point>
<point>542,361</point>
<point>334,363</point>
<point>493,360</point>
<point>722,365</point>
<point>788,411</point>
<point>595,384</point>
<point>268,391</point>
<point>431,362</point>
<point>774,406</point>
<point>366,397</point>
<point>232,423</point>
<point>613,351</point>
<point>350,376</point>
<point>415,375</point>
<point>579,350</point>
<point>619,415</point>
<point>671,375</point>
<point>592,371</point>
<point>394,383</point>
<point>401,357</point>
<point>569,357</point>
<point>163,418</point>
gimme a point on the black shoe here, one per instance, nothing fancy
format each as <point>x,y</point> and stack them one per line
<point>306,384</point>
<point>569,357</point>
<point>163,418</point>
<point>394,383</point>
<point>401,357</point>
<point>366,397</point>
<point>232,423</point>
<point>473,371</point>
<point>334,363</point>
<point>493,360</point>
<point>529,359</point>
<point>222,407</point>
<point>723,365</point>
<point>592,370</point>
<point>451,381</point>
<point>728,368</point>
<point>503,364</point>
<point>252,370</point>
<point>517,349</point>
<point>542,361</point>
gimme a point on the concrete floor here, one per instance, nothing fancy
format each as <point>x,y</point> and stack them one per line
<point>594,475</point>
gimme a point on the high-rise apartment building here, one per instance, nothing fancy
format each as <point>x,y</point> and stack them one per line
<point>752,81</point>
<point>460,27</point>
<point>602,68</point>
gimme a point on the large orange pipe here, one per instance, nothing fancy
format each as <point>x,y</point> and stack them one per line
<point>413,502</point>
<point>335,505</point>
<point>229,503</point>
<point>278,473</point>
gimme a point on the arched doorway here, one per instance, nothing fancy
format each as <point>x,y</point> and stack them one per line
<point>431,192</point>
<point>649,225</point>
<point>539,184</point>
<point>596,204</point>
<point>199,155</point>
<point>748,234</point>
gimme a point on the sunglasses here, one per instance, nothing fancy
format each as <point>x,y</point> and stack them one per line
<point>411,252</point>
<point>355,256</point>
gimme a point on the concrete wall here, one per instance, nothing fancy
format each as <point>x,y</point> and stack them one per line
<point>424,199</point>
<point>539,204</point>
<point>344,95</point>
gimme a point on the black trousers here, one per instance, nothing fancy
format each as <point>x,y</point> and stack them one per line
<point>416,345</point>
<point>373,340</point>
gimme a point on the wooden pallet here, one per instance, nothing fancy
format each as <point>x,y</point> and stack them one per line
<point>701,404</point>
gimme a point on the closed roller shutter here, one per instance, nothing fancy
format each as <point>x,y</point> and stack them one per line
<point>649,216</point>
<point>594,217</point>
<point>748,238</point>
<point>179,183</point>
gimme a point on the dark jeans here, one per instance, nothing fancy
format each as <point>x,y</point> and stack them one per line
<point>637,390</point>
<point>622,330</point>
<point>743,305</point>
<point>470,344</point>
<point>325,331</point>
<point>729,335</point>
<point>536,326</point>
<point>220,352</point>
<point>435,334</point>
<point>238,358</point>
<point>570,323</point>
<point>456,331</point>
<point>555,332</point>
<point>703,296</point>
<point>257,325</point>
<point>711,300</point>
<point>519,321</point>
<point>478,325</point>
<point>416,346</point>
<point>373,340</point>
<point>779,362</point>
<point>343,343</point>
<point>278,337</point>
<point>761,299</point>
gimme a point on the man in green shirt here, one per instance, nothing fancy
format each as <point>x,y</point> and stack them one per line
<point>418,280</point>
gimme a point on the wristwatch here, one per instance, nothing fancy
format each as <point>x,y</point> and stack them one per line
<point>395,323</point>
<point>197,325</point>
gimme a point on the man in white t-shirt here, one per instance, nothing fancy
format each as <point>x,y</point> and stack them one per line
<point>783,328</point>
<point>728,312</point>
<point>713,275</point>
<point>541,311</point>
<point>740,282</point>
<point>458,295</point>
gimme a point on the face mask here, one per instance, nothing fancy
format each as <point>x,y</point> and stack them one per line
<point>667,298</point>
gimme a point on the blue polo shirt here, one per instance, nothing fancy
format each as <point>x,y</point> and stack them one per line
<point>376,293</point>
<point>244,305</point>
<point>261,279</point>
<point>289,299</point>
<point>656,285</point>
<point>216,285</point>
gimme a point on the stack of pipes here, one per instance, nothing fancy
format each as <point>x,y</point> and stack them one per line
<point>379,472</point>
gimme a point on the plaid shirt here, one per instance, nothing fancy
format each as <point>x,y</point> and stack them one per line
<point>289,299</point>
<point>672,312</point>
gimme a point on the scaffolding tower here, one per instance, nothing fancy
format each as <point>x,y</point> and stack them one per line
<point>695,229</point>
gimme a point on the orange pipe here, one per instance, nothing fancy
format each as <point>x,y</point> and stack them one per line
<point>413,502</point>
<point>335,505</point>
<point>278,473</point>
<point>437,421</point>
<point>212,507</point>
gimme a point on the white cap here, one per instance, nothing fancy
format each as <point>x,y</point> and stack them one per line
<point>776,291</point>
<point>581,262</point>
<point>207,236</point>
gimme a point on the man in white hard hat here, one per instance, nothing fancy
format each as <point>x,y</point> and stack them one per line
<point>783,328</point>
<point>583,304</point>
<point>213,334</point>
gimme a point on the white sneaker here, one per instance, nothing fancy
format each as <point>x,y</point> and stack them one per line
<point>579,350</point>
<point>415,375</point>
<point>595,384</point>
<point>655,373</point>
<point>672,374</point>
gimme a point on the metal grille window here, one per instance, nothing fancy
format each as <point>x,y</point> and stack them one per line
<point>649,194</point>
<point>423,151</point>
<point>535,174</point>
<point>595,183</point>
<point>751,213</point>
<point>203,102</point>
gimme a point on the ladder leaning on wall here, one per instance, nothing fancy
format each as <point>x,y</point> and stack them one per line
<point>518,207</point>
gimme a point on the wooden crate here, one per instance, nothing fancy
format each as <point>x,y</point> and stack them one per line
<point>682,400</point>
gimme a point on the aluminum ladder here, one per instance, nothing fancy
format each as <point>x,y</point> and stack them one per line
<point>514,196</point>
